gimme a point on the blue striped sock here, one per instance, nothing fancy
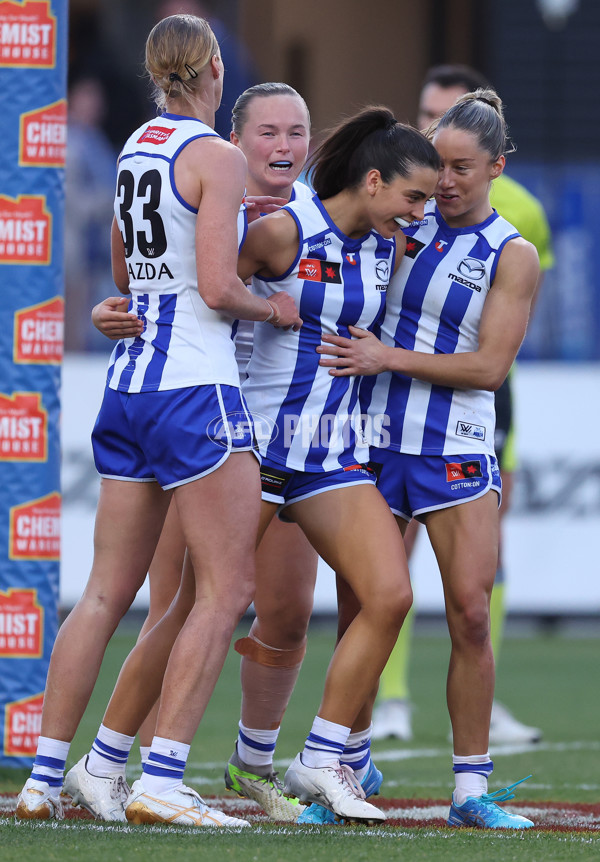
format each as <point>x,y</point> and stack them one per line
<point>256,747</point>
<point>357,752</point>
<point>163,771</point>
<point>324,744</point>
<point>471,775</point>
<point>50,759</point>
<point>109,753</point>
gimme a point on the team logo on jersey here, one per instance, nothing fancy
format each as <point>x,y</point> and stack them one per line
<point>468,429</point>
<point>440,245</point>
<point>472,268</point>
<point>311,269</point>
<point>382,270</point>
<point>155,135</point>
<point>413,246</point>
<point>464,470</point>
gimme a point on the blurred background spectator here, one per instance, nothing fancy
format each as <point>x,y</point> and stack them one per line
<point>89,192</point>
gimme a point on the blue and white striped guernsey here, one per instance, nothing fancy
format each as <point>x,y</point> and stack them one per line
<point>244,330</point>
<point>184,343</point>
<point>336,282</point>
<point>434,305</point>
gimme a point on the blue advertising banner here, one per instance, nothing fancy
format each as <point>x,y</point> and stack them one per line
<point>33,62</point>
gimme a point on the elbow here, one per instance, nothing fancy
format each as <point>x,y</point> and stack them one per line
<point>494,380</point>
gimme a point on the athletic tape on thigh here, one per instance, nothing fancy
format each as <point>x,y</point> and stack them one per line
<point>268,656</point>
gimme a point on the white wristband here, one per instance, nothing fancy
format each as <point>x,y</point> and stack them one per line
<point>274,315</point>
<point>271,313</point>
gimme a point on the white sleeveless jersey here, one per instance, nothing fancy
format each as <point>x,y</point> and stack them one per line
<point>244,331</point>
<point>434,305</point>
<point>306,419</point>
<point>184,342</point>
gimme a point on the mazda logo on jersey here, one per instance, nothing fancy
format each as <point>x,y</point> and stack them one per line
<point>413,246</point>
<point>472,268</point>
<point>382,269</point>
<point>319,270</point>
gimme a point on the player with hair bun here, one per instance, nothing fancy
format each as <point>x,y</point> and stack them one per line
<point>456,314</point>
<point>174,247</point>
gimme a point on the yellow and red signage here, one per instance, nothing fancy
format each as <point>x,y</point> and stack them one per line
<point>21,624</point>
<point>25,230</point>
<point>27,34</point>
<point>39,332</point>
<point>43,136</point>
<point>22,726</point>
<point>34,529</point>
<point>23,427</point>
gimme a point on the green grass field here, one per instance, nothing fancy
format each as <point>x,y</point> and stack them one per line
<point>549,681</point>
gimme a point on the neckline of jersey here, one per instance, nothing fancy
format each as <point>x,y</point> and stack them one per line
<point>457,231</point>
<point>348,241</point>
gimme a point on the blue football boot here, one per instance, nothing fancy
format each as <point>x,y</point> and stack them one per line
<point>482,812</point>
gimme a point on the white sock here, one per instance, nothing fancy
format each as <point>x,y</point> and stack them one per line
<point>109,753</point>
<point>471,776</point>
<point>163,771</point>
<point>50,759</point>
<point>256,747</point>
<point>324,744</point>
<point>357,752</point>
<point>144,752</point>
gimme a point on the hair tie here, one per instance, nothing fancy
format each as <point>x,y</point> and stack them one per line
<point>191,72</point>
<point>175,77</point>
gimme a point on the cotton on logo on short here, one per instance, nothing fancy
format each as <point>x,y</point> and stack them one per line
<point>464,470</point>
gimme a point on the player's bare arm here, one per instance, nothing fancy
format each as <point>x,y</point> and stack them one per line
<point>502,329</point>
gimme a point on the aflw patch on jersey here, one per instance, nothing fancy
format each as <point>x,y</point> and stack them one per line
<point>320,270</point>
<point>466,470</point>
<point>413,246</point>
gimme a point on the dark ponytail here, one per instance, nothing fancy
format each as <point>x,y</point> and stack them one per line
<point>371,139</point>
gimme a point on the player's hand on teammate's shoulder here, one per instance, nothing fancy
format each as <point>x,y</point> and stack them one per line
<point>258,205</point>
<point>286,312</point>
<point>111,318</point>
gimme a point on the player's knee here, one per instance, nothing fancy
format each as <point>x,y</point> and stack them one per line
<point>390,609</point>
<point>270,656</point>
<point>472,623</point>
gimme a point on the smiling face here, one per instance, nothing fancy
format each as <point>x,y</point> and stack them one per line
<point>462,192</point>
<point>274,139</point>
<point>398,203</point>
